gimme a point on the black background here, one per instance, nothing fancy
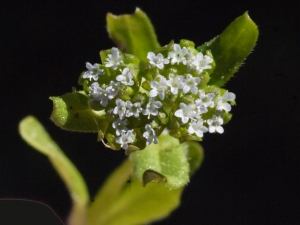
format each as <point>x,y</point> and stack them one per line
<point>250,174</point>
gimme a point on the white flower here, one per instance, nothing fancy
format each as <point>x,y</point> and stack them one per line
<point>178,55</point>
<point>207,99</point>
<point>200,108</point>
<point>189,60</point>
<point>228,96</point>
<point>150,135</point>
<point>133,109</point>
<point>120,109</point>
<point>186,112</point>
<point>125,77</point>
<point>114,59</point>
<point>120,126</point>
<point>197,127</point>
<point>151,107</point>
<point>175,82</point>
<point>215,124</point>
<point>190,84</point>
<point>113,89</point>
<point>157,60</point>
<point>222,103</point>
<point>93,71</point>
<point>125,138</point>
<point>202,62</point>
<point>159,88</point>
<point>98,94</point>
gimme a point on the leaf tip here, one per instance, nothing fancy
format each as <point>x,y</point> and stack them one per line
<point>24,123</point>
<point>137,9</point>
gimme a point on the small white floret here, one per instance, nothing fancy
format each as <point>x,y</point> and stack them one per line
<point>175,83</point>
<point>151,108</point>
<point>190,84</point>
<point>157,60</point>
<point>120,126</point>
<point>93,71</point>
<point>185,112</point>
<point>125,77</point>
<point>178,55</point>
<point>114,59</point>
<point>120,108</point>
<point>158,88</point>
<point>98,94</point>
<point>113,89</point>
<point>202,62</point>
<point>133,109</point>
<point>215,124</point>
<point>197,127</point>
<point>150,135</point>
<point>126,138</point>
<point>222,101</point>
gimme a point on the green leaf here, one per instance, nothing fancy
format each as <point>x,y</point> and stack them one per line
<point>121,201</point>
<point>231,48</point>
<point>173,162</point>
<point>167,157</point>
<point>37,137</point>
<point>195,156</point>
<point>72,112</point>
<point>133,34</point>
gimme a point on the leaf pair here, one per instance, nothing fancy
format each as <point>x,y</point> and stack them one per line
<point>121,200</point>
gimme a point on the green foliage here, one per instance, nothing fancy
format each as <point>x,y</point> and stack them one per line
<point>231,48</point>
<point>72,112</point>
<point>168,162</point>
<point>122,199</point>
<point>36,136</point>
<point>132,33</point>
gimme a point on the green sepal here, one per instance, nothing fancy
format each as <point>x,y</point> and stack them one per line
<point>131,59</point>
<point>85,85</point>
<point>212,89</point>
<point>72,112</point>
<point>173,123</point>
<point>182,134</point>
<point>139,142</point>
<point>213,64</point>
<point>133,33</point>
<point>204,79</point>
<point>188,44</point>
<point>81,80</point>
<point>146,85</point>
<point>103,131</point>
<point>226,117</point>
<point>162,117</point>
<point>231,48</point>
<point>165,49</point>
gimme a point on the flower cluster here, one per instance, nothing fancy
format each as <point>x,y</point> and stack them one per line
<point>170,93</point>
